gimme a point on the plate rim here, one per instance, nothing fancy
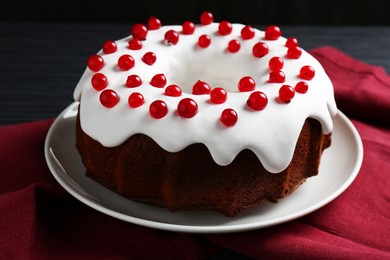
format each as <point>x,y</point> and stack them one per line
<point>49,156</point>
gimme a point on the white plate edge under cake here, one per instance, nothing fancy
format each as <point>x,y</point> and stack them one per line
<point>247,220</point>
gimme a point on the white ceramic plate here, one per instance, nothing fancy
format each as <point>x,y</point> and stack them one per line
<point>340,165</point>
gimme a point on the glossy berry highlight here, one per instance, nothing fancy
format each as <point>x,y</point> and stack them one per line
<point>307,72</point>
<point>158,109</point>
<point>154,23</point>
<point>99,81</point>
<point>188,28</point>
<point>187,108</point>
<point>136,99</point>
<point>218,95</point>
<point>126,62</point>
<point>206,18</point>
<point>133,81</point>
<point>95,62</point>
<point>246,84</point>
<point>139,31</point>
<point>286,93</point>
<point>257,100</point>
<point>201,88</point>
<point>260,49</point>
<point>158,80</point>
<point>173,91</point>
<point>229,117</point>
<point>172,37</point>
<point>109,98</point>
<point>109,47</point>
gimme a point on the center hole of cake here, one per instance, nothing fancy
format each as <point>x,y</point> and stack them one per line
<point>214,74</point>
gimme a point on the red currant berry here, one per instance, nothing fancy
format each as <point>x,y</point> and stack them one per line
<point>247,32</point>
<point>286,93</point>
<point>139,31</point>
<point>204,41</point>
<point>95,62</point>
<point>187,108</point>
<point>109,98</point>
<point>260,49</point>
<point>218,95</point>
<point>135,44</point>
<point>136,100</point>
<point>201,88</point>
<point>294,52</point>
<point>158,81</point>
<point>206,18</point>
<point>158,109</point>
<point>133,81</point>
<point>171,37</point>
<point>307,72</point>
<point>188,28</point>
<point>149,58</point>
<point>173,91</point>
<point>275,64</point>
<point>99,81</point>
<point>229,117</point>
<point>246,84</point>
<point>276,77</point>
<point>225,28</point>
<point>125,62</point>
<point>109,47</point>
<point>257,100</point>
<point>291,42</point>
<point>154,23</point>
<point>234,46</point>
<point>273,32</point>
<point>301,87</point>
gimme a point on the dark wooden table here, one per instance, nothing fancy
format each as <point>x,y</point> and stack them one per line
<point>40,64</point>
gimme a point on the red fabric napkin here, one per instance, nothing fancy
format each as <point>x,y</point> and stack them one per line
<point>40,220</point>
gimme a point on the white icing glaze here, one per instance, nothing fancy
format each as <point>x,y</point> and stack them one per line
<point>271,133</point>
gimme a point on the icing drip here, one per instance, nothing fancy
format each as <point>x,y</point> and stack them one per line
<point>270,133</point>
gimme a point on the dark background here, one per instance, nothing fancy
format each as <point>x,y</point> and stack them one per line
<point>281,12</point>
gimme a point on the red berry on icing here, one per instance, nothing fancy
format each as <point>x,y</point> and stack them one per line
<point>275,64</point>
<point>294,52</point>
<point>173,91</point>
<point>136,100</point>
<point>125,62</point>
<point>247,32</point>
<point>99,81</point>
<point>95,62</point>
<point>206,18</point>
<point>109,98</point>
<point>229,117</point>
<point>201,88</point>
<point>307,72</point>
<point>109,47</point>
<point>286,93</point>
<point>133,81</point>
<point>257,100</point>
<point>273,32</point>
<point>234,46</point>
<point>218,95</point>
<point>139,31</point>
<point>291,42</point>
<point>158,81</point>
<point>301,87</point>
<point>187,108</point>
<point>154,23</point>
<point>204,41</point>
<point>172,37</point>
<point>135,44</point>
<point>158,109</point>
<point>246,84</point>
<point>149,58</point>
<point>225,28</point>
<point>260,49</point>
<point>188,28</point>
<point>276,77</point>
